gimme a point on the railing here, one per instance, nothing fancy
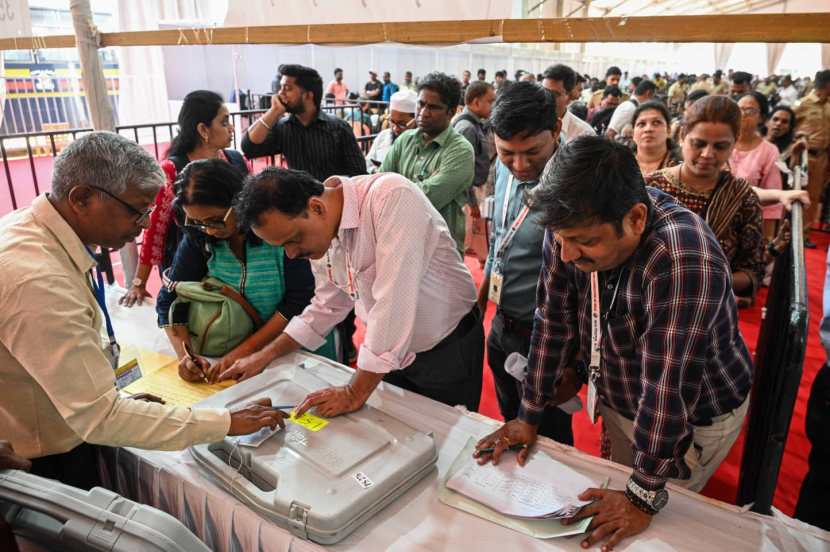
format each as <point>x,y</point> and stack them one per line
<point>36,104</point>
<point>33,147</point>
<point>779,360</point>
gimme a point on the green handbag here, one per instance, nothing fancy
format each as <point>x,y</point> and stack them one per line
<point>219,319</point>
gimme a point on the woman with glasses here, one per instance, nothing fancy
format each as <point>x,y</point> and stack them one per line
<point>276,286</point>
<point>205,132</point>
<point>753,158</point>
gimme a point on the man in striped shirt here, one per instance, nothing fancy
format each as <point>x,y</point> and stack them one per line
<point>638,288</point>
<point>309,139</point>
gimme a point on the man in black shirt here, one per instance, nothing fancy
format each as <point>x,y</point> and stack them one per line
<point>373,88</point>
<point>309,139</point>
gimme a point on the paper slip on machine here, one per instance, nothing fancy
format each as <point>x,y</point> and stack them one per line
<point>318,480</point>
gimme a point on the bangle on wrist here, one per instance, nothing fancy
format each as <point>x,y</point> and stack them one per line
<point>772,250</point>
<point>261,120</point>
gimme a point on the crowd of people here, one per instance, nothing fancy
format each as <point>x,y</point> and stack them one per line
<point>627,220</point>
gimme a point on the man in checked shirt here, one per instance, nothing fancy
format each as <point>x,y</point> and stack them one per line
<point>672,370</point>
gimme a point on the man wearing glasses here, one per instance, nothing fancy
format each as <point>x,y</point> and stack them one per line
<point>59,388</point>
<point>401,118</point>
<point>435,156</point>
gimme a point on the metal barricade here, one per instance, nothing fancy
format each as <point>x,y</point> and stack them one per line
<point>37,150</point>
<point>779,361</point>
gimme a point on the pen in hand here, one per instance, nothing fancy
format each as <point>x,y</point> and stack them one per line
<point>189,354</point>
<point>491,450</point>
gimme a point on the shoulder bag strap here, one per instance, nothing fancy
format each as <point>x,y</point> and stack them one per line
<point>234,295</point>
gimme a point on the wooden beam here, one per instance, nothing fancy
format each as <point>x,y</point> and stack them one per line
<point>38,42</point>
<point>810,27</point>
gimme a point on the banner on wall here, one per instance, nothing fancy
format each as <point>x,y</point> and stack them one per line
<point>14,19</point>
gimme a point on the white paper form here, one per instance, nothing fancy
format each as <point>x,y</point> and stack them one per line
<point>543,488</point>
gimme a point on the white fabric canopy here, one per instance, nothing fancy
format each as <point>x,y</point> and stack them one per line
<point>304,12</point>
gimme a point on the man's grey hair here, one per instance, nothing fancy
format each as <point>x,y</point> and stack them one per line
<point>106,160</point>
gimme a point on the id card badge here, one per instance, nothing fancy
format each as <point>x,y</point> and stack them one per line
<point>591,407</point>
<point>495,286</point>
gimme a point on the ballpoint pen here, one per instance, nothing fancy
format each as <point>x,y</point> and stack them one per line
<point>492,449</point>
<point>189,354</point>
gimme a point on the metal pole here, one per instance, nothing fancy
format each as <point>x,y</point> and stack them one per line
<point>95,88</point>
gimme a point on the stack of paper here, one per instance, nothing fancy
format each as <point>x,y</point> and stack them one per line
<point>542,489</point>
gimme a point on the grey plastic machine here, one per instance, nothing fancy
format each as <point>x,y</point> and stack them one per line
<point>48,515</point>
<point>323,484</point>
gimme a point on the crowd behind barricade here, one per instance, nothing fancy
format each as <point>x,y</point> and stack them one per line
<point>620,224</point>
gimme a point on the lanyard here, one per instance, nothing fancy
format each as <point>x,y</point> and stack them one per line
<point>596,318</point>
<point>514,228</point>
<point>98,289</point>
<point>351,290</point>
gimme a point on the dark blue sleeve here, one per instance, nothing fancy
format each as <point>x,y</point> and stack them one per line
<point>299,286</point>
<point>189,265</point>
<point>237,161</point>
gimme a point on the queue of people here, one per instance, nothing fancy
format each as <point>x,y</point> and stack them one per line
<point>617,260</point>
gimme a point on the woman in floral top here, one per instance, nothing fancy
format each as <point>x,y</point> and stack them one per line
<point>727,203</point>
<point>205,130</point>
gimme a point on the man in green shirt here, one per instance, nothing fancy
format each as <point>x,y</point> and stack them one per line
<point>434,156</point>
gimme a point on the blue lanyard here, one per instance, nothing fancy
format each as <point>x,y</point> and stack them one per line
<point>101,298</point>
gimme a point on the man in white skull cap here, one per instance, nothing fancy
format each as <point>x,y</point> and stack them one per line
<point>401,118</point>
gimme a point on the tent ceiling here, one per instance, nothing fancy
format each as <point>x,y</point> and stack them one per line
<point>685,7</point>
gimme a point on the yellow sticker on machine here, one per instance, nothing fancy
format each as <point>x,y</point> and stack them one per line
<point>309,421</point>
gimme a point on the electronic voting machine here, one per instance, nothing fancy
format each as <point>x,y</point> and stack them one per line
<point>319,480</point>
<point>47,515</point>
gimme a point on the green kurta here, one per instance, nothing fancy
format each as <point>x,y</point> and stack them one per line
<point>443,169</point>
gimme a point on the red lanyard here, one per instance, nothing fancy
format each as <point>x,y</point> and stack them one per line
<point>351,289</point>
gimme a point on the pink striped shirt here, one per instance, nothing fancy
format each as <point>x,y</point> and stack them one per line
<point>412,287</point>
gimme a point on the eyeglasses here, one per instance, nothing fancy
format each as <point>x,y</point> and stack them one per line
<point>750,110</point>
<point>203,225</point>
<point>142,217</point>
<point>400,126</point>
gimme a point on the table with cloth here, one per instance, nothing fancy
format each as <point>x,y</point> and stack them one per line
<point>417,520</point>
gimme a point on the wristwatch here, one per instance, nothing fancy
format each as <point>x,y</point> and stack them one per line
<point>138,282</point>
<point>653,501</point>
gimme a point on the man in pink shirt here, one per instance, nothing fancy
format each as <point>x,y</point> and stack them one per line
<point>338,88</point>
<point>379,246</point>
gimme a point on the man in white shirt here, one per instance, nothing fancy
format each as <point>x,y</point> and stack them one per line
<point>625,111</point>
<point>401,118</point>
<point>58,378</point>
<point>379,246</point>
<point>562,80</point>
<point>787,94</point>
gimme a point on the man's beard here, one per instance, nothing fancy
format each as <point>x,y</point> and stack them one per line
<point>297,109</point>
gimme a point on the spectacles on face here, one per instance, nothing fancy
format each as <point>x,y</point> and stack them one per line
<point>750,111</point>
<point>142,217</point>
<point>203,225</point>
<point>400,125</point>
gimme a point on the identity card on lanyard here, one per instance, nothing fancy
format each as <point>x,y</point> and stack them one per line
<point>496,278</point>
<point>123,375</point>
<point>596,337</point>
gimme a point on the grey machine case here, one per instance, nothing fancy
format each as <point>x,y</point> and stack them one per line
<point>48,515</point>
<point>320,485</point>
